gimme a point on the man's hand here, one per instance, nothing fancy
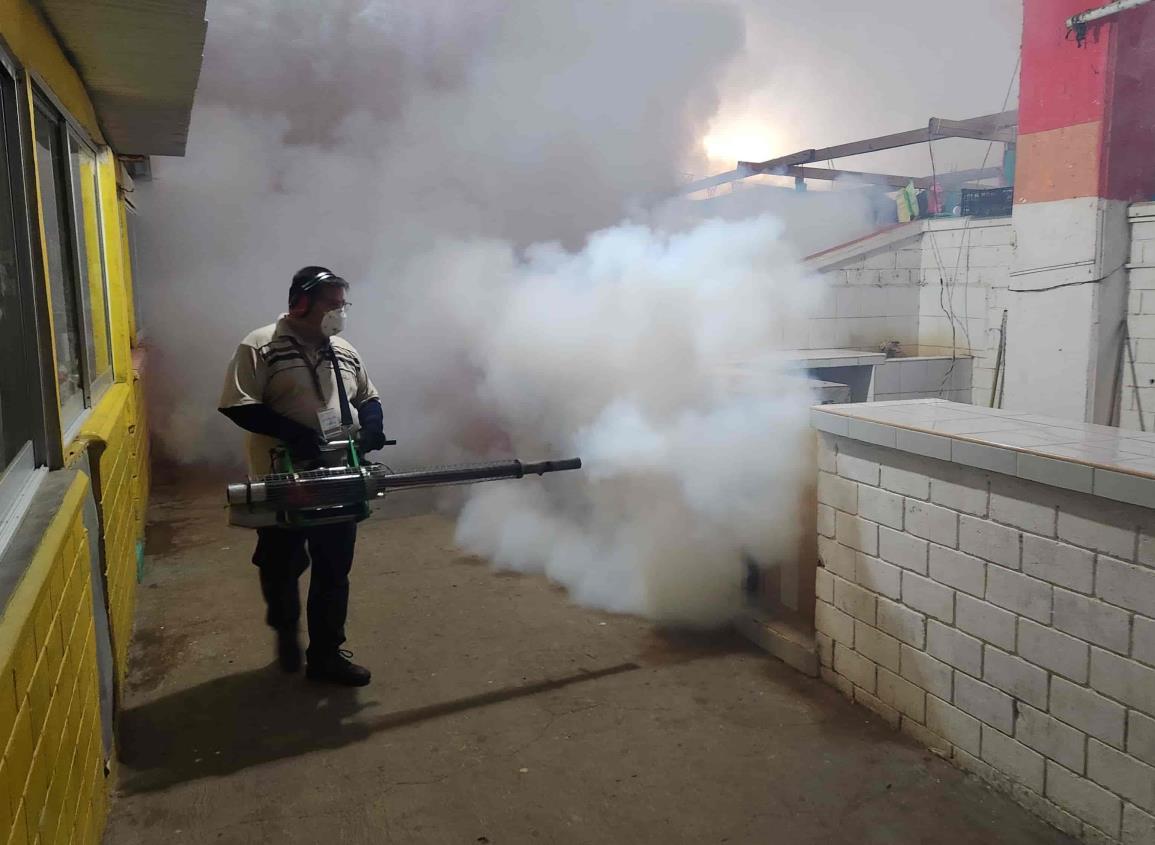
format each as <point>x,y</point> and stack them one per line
<point>370,441</point>
<point>371,437</point>
<point>306,448</point>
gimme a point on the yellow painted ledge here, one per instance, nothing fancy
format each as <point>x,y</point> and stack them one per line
<point>20,605</point>
<point>101,422</point>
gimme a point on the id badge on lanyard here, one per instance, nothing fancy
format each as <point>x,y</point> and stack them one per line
<point>329,421</point>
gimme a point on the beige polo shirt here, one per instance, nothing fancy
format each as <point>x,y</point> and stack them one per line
<point>275,366</point>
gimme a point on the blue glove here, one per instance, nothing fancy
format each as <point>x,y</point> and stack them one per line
<point>371,437</point>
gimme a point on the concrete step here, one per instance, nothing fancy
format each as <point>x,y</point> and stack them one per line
<point>790,641</point>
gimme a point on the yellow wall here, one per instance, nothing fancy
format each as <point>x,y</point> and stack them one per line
<point>116,427</point>
<point>52,782</point>
<point>52,773</point>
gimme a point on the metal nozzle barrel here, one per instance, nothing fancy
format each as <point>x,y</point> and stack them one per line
<point>334,487</point>
<point>469,473</point>
<point>542,467</point>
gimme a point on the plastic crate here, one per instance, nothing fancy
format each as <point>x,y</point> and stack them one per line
<point>987,202</point>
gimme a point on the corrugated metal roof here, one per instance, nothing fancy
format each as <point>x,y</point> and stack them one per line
<point>140,60</point>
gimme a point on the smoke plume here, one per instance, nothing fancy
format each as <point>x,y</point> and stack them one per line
<point>484,174</point>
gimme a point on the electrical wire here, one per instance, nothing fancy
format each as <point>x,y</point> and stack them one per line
<point>964,248</point>
<point>945,288</point>
<point>1098,281</point>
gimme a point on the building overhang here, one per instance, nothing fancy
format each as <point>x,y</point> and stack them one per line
<point>140,61</point>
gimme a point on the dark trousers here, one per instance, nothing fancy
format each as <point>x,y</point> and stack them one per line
<point>283,555</point>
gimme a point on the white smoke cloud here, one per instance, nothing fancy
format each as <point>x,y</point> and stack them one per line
<point>624,353</point>
<point>469,168</point>
<point>820,74</point>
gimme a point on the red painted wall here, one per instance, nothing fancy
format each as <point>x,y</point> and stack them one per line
<point>1086,114</point>
<point>1129,128</point>
<point>1061,85</point>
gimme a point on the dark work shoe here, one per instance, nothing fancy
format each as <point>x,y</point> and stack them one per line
<point>336,668</point>
<point>288,651</point>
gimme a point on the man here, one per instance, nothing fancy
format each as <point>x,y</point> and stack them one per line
<point>282,388</point>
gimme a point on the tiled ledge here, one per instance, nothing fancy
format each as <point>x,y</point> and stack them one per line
<point>820,358</point>
<point>1095,459</point>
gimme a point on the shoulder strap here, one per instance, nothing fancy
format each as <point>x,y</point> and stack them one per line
<point>342,396</point>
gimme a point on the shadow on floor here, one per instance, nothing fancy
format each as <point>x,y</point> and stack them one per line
<point>231,723</point>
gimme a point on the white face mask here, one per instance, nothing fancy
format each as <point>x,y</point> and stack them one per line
<point>333,322</point>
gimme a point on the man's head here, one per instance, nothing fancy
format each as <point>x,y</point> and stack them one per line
<point>315,292</point>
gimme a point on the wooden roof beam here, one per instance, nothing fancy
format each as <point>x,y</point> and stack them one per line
<point>996,128</point>
<point>890,180</point>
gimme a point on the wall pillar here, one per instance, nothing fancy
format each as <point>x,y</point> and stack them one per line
<point>1084,153</point>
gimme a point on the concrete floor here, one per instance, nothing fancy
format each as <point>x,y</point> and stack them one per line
<point>499,713</point>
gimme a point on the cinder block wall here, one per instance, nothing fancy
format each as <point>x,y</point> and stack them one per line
<point>52,783</point>
<point>52,773</point>
<point>871,298</point>
<point>1140,324</point>
<point>1008,625</point>
<point>119,428</point>
<point>913,288</point>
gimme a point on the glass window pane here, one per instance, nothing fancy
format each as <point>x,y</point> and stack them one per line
<point>85,203</point>
<point>56,246</point>
<point>16,399</point>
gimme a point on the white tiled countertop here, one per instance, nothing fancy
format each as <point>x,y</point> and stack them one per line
<point>1096,459</point>
<point>815,358</point>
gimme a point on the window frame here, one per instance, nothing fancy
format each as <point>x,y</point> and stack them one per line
<point>72,411</point>
<point>68,130</point>
<point>44,447</point>
<point>96,386</point>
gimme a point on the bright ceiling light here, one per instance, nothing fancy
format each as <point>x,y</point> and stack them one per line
<point>745,140</point>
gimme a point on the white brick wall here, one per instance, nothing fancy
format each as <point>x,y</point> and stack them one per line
<point>954,647</point>
<point>985,621</point>
<point>882,648</point>
<point>990,541</point>
<point>894,290</point>
<point>903,550</point>
<point>958,570</point>
<point>1019,593</point>
<point>1138,827</point>
<point>1015,676</point>
<point>1141,737</point>
<point>1055,651</point>
<point>1141,326</point>
<point>931,522</point>
<point>1097,715</point>
<point>902,623</point>
<point>989,705</point>
<point>1059,563</point>
<point>1100,808</point>
<point>877,575</point>
<point>1051,738</point>
<point>926,596</point>
<point>1006,623</point>
<point>1094,621</point>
